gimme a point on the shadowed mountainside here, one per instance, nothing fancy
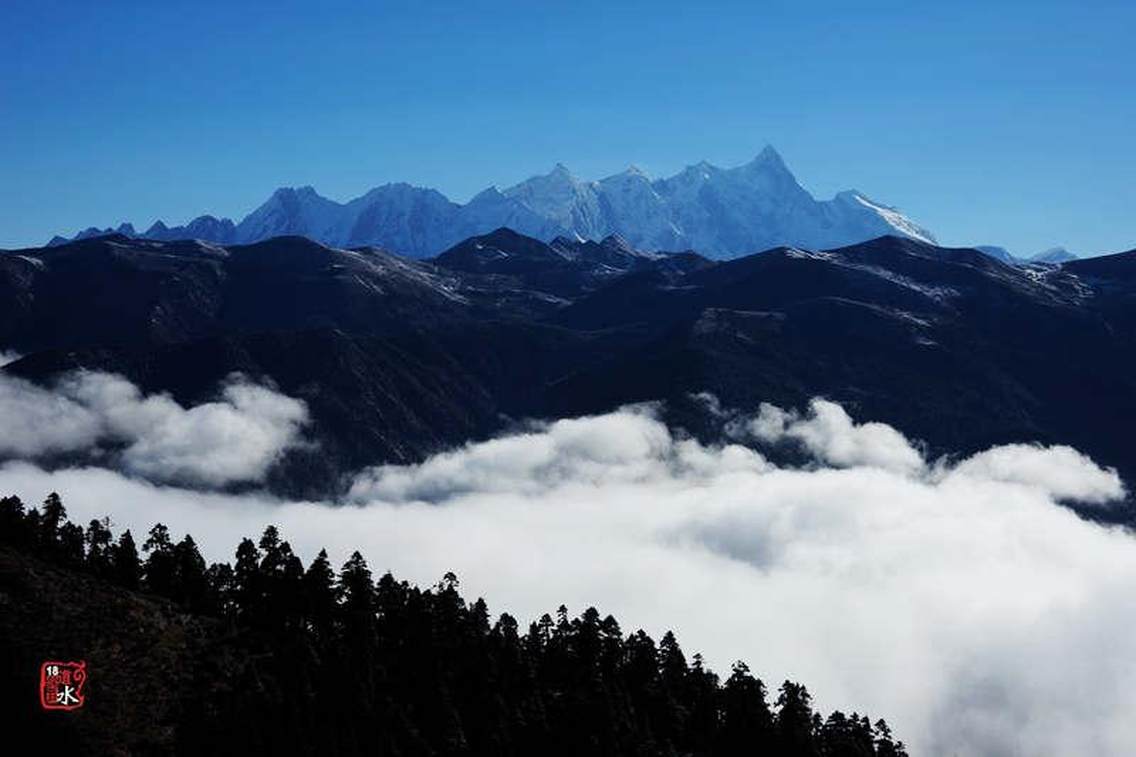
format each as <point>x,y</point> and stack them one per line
<point>398,358</point>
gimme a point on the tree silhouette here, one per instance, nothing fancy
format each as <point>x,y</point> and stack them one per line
<point>159,571</point>
<point>99,547</point>
<point>53,516</point>
<point>15,523</point>
<point>126,569</point>
<point>320,599</point>
<point>190,585</point>
<point>796,729</point>
<point>317,663</point>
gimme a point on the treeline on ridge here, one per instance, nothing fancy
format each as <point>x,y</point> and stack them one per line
<point>345,664</point>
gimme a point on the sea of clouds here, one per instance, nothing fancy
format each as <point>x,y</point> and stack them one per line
<point>960,600</point>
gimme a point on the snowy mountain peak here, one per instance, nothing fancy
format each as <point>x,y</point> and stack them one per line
<point>561,171</point>
<point>616,242</point>
<point>559,197</point>
<point>489,194</point>
<point>1054,255</point>
<point>287,192</point>
<point>718,212</point>
<point>895,221</point>
<point>770,158</point>
<point>695,174</point>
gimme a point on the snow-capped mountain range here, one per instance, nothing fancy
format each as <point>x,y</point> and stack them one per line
<point>717,211</point>
<point>1051,256</point>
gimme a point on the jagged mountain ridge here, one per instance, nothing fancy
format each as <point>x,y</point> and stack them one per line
<point>399,358</point>
<point>720,212</point>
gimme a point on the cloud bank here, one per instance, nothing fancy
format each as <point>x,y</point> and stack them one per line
<point>958,600</point>
<point>828,433</point>
<point>234,439</point>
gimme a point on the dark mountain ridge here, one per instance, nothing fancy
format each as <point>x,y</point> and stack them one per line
<point>399,358</point>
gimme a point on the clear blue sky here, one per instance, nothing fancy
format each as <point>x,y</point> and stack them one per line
<point>989,122</point>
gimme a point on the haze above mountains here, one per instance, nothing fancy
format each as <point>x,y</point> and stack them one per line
<point>722,213</point>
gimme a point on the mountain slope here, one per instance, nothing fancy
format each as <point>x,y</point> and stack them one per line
<point>398,358</point>
<point>719,212</point>
<point>998,253</point>
<point>272,659</point>
<point>1054,255</point>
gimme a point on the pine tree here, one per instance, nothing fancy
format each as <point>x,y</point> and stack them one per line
<point>247,582</point>
<point>795,727</point>
<point>271,576</point>
<point>704,708</point>
<point>99,541</point>
<point>611,645</point>
<point>190,586</point>
<point>358,590</point>
<point>125,567</point>
<point>885,746</point>
<point>71,544</point>
<point>746,720</point>
<point>290,587</point>
<point>53,517</point>
<point>359,632</point>
<point>14,525</point>
<point>672,663</point>
<point>320,597</point>
<point>222,601</point>
<point>160,568</point>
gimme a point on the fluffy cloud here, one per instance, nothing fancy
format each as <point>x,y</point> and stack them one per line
<point>829,434</point>
<point>1060,471</point>
<point>626,448</point>
<point>37,421</point>
<point>959,600</point>
<point>6,356</point>
<point>237,438</point>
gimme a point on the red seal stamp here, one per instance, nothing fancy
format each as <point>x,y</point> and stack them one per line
<point>61,685</point>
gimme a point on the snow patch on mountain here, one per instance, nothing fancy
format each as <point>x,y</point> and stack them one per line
<point>1054,255</point>
<point>717,211</point>
<point>998,253</point>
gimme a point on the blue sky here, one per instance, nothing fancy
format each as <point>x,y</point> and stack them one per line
<point>988,122</point>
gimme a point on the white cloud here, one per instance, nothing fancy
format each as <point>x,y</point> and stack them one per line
<point>1060,471</point>
<point>629,447</point>
<point>830,435</point>
<point>236,438</point>
<point>7,356</point>
<point>36,421</point>
<point>960,601</point>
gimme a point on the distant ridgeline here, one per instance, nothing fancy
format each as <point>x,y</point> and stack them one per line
<point>399,359</point>
<point>265,656</point>
<point>720,212</point>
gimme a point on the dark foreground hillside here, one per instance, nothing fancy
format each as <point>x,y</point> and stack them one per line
<point>267,656</point>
